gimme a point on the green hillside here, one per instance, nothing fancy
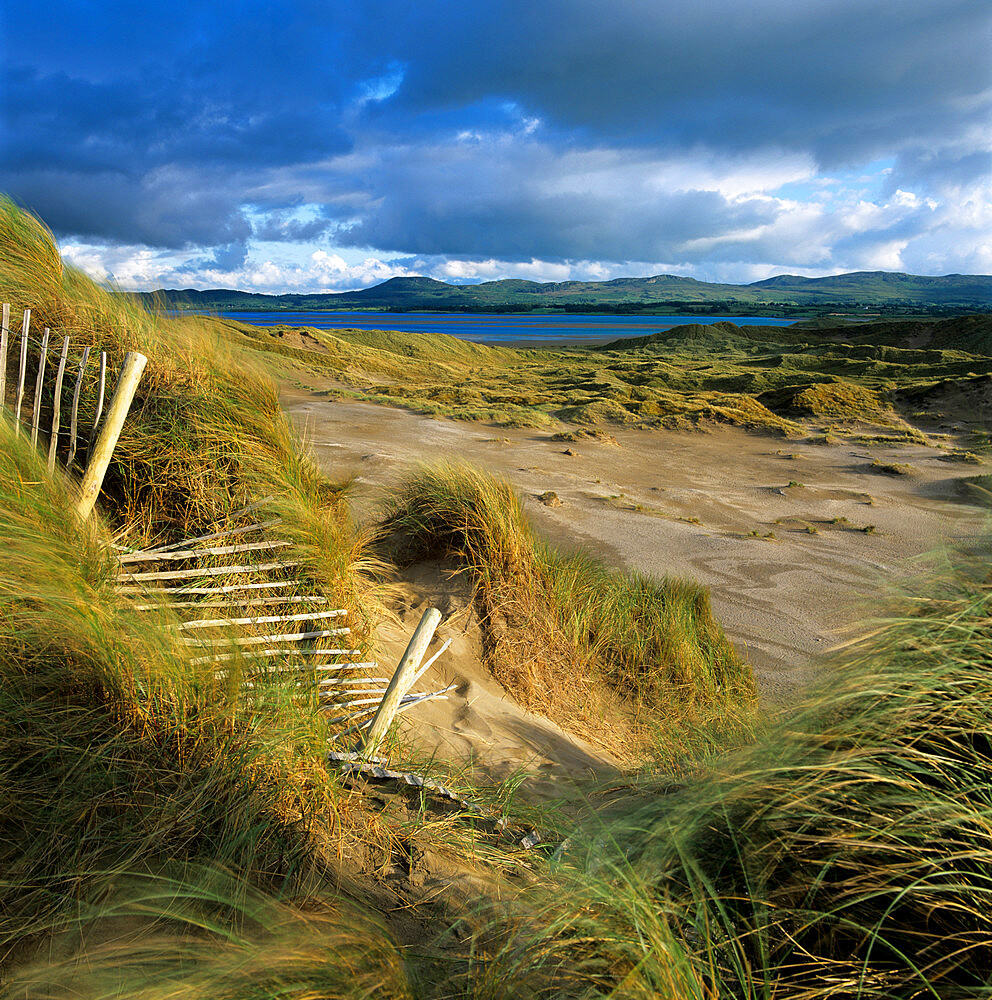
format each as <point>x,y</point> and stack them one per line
<point>874,290</point>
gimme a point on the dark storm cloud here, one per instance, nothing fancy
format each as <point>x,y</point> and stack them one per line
<point>164,208</point>
<point>170,124</point>
<point>843,78</point>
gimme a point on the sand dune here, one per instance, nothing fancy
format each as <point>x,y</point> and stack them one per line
<point>700,504</point>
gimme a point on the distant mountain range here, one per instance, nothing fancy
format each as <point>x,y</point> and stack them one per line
<point>882,290</point>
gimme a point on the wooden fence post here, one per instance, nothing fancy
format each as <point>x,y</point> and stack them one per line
<point>99,403</point>
<point>19,399</point>
<point>4,326</point>
<point>38,386</point>
<point>103,450</point>
<point>401,680</point>
<point>74,424</point>
<point>53,438</point>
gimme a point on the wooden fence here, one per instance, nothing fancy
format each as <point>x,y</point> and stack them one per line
<point>242,607</point>
<point>41,403</point>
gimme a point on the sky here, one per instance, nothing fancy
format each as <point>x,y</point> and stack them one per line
<point>307,145</point>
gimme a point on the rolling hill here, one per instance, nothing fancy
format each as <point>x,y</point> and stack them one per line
<point>872,290</point>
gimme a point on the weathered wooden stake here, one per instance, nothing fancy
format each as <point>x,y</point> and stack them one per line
<point>53,438</point>
<point>73,426</point>
<point>4,327</point>
<point>99,404</point>
<point>106,441</point>
<point>401,680</point>
<point>38,385</point>
<point>25,325</point>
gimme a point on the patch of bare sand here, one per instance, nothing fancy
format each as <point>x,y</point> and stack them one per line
<point>478,723</point>
<point>697,504</point>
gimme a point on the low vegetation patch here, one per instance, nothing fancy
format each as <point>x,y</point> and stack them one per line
<point>770,379</point>
<point>892,468</point>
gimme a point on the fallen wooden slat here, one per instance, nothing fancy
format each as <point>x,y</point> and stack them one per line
<point>276,668</point>
<point>74,423</point>
<point>4,329</point>
<point>257,640</point>
<point>53,437</point>
<point>259,620</point>
<point>328,693</point>
<point>184,574</point>
<point>255,654</point>
<point>210,550</point>
<point>409,702</point>
<point>255,602</point>
<point>328,681</point>
<point>356,703</point>
<point>252,506</point>
<point>228,588</point>
<point>22,372</point>
<point>38,385</point>
<point>217,534</point>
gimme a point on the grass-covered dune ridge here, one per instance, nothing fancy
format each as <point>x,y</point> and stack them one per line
<point>550,620</point>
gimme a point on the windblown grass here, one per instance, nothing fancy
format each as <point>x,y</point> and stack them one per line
<point>115,751</point>
<point>204,934</point>
<point>604,653</point>
<point>849,854</point>
<point>117,754</point>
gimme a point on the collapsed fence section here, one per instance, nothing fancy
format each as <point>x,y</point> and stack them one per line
<point>230,619</point>
<point>42,416</point>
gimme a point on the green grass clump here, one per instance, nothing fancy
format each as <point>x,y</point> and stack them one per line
<point>839,401</point>
<point>892,468</point>
<point>550,619</point>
